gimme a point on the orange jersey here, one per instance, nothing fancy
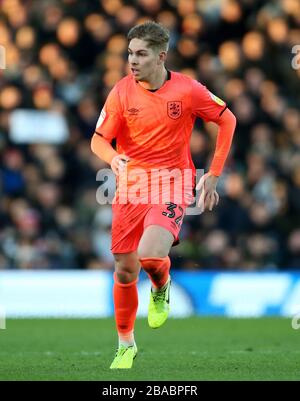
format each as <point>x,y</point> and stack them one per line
<point>154,128</point>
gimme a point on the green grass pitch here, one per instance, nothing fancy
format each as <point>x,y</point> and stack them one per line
<point>183,349</point>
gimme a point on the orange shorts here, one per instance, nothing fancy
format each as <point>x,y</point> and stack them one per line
<point>130,221</point>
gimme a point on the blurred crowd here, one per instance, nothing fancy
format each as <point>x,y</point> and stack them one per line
<point>66,56</point>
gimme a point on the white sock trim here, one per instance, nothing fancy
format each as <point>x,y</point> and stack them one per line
<point>126,339</point>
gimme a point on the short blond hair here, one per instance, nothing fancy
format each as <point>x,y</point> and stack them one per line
<point>156,35</point>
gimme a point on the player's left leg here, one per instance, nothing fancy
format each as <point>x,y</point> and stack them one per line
<point>161,229</point>
<point>153,252</point>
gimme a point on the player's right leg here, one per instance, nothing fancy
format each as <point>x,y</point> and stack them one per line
<point>127,268</point>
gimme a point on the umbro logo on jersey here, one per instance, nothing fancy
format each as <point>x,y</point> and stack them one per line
<point>133,111</point>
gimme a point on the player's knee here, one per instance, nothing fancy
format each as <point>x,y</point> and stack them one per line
<point>125,277</point>
<point>126,271</point>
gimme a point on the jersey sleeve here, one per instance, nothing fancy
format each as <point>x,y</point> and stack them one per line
<point>205,104</point>
<point>110,120</point>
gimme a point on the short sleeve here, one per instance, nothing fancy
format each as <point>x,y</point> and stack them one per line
<point>205,104</point>
<point>110,120</point>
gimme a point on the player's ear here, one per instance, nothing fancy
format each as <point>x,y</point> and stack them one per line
<point>162,57</point>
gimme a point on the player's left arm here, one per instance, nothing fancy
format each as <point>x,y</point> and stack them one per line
<point>210,108</point>
<point>208,183</point>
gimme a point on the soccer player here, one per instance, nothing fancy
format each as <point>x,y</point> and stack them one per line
<point>151,113</point>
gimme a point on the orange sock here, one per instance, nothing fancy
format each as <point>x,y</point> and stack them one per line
<point>157,270</point>
<point>126,304</point>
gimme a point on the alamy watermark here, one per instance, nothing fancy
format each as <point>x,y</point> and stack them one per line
<point>296,321</point>
<point>296,58</point>
<point>2,58</point>
<point>2,318</point>
<point>151,186</point>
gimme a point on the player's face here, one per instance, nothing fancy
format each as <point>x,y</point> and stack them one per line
<point>143,60</point>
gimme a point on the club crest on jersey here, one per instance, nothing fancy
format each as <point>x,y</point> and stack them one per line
<point>174,109</point>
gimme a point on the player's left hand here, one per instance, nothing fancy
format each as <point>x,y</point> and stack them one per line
<point>209,196</point>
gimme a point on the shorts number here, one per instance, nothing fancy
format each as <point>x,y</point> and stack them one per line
<point>180,217</point>
<point>171,207</point>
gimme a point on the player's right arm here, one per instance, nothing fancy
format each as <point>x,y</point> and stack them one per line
<point>103,149</point>
<point>108,126</point>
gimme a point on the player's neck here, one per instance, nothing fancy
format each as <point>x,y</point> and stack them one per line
<point>156,80</point>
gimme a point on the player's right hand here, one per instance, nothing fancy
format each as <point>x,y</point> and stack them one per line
<point>118,163</point>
